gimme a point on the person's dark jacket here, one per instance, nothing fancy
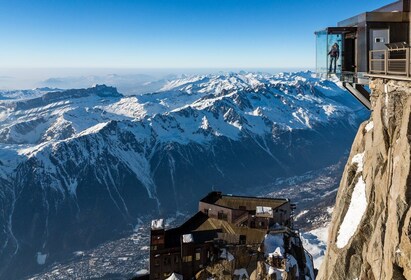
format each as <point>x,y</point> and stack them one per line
<point>334,52</point>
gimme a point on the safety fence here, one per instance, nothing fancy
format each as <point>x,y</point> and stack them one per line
<point>390,61</point>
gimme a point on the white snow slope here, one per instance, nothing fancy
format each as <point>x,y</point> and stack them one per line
<point>193,109</point>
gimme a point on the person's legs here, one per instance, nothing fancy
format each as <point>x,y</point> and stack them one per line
<point>331,64</point>
<point>335,64</point>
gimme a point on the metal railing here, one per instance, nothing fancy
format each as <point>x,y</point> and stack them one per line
<point>390,62</point>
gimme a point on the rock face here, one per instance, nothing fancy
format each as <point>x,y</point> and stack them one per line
<point>370,233</point>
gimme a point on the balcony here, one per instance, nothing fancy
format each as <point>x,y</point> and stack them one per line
<point>393,62</point>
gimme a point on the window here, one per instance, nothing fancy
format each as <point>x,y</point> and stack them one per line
<point>187,258</point>
<point>206,211</point>
<point>198,254</point>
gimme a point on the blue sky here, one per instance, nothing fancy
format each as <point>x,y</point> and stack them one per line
<point>167,33</point>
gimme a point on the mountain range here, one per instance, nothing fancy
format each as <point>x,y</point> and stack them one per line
<point>79,167</point>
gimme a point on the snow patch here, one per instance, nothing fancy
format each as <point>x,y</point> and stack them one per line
<point>329,109</point>
<point>309,266</point>
<point>157,224</point>
<point>226,255</point>
<point>241,272</point>
<point>41,258</point>
<point>93,129</point>
<point>142,272</point>
<point>359,160</point>
<point>353,217</point>
<point>369,126</point>
<point>175,276</point>
<point>315,242</point>
<point>272,242</point>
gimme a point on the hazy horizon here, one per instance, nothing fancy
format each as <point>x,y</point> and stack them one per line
<point>30,78</point>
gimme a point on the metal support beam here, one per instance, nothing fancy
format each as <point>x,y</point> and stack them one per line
<point>359,93</point>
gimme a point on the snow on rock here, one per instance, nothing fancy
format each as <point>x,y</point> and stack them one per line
<point>292,262</point>
<point>310,267</point>
<point>272,242</point>
<point>329,109</point>
<point>315,242</point>
<point>226,255</point>
<point>353,217</point>
<point>41,258</point>
<point>278,272</point>
<point>241,272</point>
<point>369,126</point>
<point>142,272</point>
<point>157,224</point>
<point>175,276</point>
<point>94,129</point>
<point>278,252</point>
<point>359,160</point>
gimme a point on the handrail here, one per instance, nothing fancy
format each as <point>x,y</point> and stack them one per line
<point>241,218</point>
<point>390,62</point>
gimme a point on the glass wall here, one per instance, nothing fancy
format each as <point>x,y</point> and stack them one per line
<point>328,61</point>
<point>321,53</point>
<point>334,67</point>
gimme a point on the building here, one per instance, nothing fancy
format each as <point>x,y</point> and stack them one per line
<point>251,212</point>
<point>222,220</point>
<point>375,43</point>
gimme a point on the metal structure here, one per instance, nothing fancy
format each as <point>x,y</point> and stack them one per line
<point>368,47</point>
<point>395,60</point>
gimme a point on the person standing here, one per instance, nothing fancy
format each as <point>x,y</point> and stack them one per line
<point>334,54</point>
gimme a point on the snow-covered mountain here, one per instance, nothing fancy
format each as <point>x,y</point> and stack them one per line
<point>79,166</point>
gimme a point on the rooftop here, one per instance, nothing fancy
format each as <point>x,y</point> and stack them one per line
<point>248,203</point>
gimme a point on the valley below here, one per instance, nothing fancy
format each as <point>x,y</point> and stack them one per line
<point>127,257</point>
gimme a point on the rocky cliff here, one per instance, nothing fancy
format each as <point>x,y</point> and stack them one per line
<point>369,237</point>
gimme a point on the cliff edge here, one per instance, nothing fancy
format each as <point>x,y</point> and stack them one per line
<point>369,237</point>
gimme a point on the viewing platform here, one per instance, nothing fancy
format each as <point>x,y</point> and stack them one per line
<point>373,44</point>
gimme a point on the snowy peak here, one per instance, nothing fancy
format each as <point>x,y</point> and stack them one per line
<point>81,165</point>
<point>234,105</point>
<point>56,96</point>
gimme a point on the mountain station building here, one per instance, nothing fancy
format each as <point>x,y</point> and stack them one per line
<point>371,44</point>
<point>222,224</point>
